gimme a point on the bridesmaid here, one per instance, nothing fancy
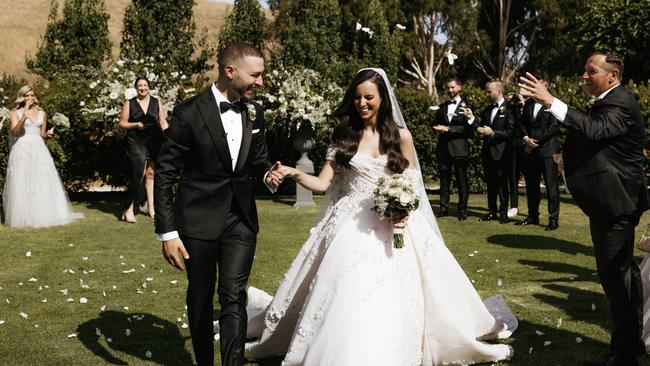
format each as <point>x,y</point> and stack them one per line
<point>143,116</point>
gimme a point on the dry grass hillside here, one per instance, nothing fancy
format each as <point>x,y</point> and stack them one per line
<point>23,22</point>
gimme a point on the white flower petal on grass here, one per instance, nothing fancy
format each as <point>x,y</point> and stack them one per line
<point>71,245</point>
<point>142,265</point>
<point>83,300</point>
<point>127,332</point>
<point>98,331</point>
<point>69,300</point>
<point>539,333</point>
<point>593,307</point>
<point>357,27</point>
<point>33,279</point>
<point>149,279</point>
<point>530,350</point>
<point>546,343</point>
<point>23,315</point>
<point>64,291</point>
<point>154,291</point>
<point>559,323</point>
<point>44,300</point>
<point>84,258</point>
<point>71,271</point>
<point>72,335</point>
<point>2,322</point>
<point>28,254</point>
<point>103,308</point>
<point>109,339</point>
<point>7,300</point>
<point>173,282</point>
<point>125,308</point>
<point>578,340</point>
<point>470,255</point>
<point>499,282</point>
<point>114,287</point>
<point>184,326</point>
<point>35,325</point>
<point>365,29</point>
<point>148,354</point>
<point>129,270</point>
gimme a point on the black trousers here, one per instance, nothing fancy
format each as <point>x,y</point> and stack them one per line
<point>232,256</point>
<point>447,163</point>
<point>534,168</point>
<point>497,177</point>
<point>621,280</point>
<point>516,170</point>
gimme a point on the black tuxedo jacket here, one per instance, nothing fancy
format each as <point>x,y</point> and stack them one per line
<point>544,128</point>
<point>503,126</point>
<point>197,150</point>
<point>603,156</point>
<point>454,142</point>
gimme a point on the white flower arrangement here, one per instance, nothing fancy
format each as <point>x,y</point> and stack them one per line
<point>300,96</point>
<point>59,119</point>
<point>5,115</point>
<point>394,194</point>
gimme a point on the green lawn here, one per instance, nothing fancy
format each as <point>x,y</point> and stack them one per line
<point>135,299</point>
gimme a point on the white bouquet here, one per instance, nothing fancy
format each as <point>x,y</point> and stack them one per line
<point>60,120</point>
<point>393,194</point>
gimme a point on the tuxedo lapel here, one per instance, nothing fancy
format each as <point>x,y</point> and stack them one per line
<point>247,135</point>
<point>212,118</point>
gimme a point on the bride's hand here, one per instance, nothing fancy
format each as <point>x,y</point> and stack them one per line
<point>399,218</point>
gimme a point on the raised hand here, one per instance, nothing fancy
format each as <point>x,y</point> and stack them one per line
<point>468,112</point>
<point>531,87</point>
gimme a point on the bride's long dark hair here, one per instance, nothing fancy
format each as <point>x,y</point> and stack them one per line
<point>349,129</point>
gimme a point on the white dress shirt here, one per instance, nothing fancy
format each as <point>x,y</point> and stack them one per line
<point>494,111</point>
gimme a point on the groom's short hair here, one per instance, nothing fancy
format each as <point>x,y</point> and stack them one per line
<point>235,52</point>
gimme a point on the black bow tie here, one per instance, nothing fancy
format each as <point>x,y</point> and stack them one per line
<point>495,105</point>
<point>235,106</point>
<point>453,101</point>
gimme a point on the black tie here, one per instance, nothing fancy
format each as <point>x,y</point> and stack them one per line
<point>453,101</point>
<point>235,106</point>
<point>495,105</point>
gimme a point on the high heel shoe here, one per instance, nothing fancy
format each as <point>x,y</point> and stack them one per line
<point>123,218</point>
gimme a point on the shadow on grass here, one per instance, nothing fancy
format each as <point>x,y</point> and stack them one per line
<point>579,304</point>
<point>522,241</point>
<point>576,273</point>
<point>147,333</point>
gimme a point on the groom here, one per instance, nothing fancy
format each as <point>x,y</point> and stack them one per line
<point>215,143</point>
<point>603,156</point>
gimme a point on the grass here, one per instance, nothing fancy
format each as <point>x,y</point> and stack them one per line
<point>547,278</point>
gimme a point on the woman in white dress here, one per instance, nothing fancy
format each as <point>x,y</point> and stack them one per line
<point>33,195</point>
<point>350,297</point>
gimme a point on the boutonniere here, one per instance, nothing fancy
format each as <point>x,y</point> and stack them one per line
<point>502,109</point>
<point>252,112</point>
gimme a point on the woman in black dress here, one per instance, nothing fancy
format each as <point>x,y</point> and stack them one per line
<point>143,117</point>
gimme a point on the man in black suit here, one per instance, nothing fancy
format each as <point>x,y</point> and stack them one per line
<point>603,161</point>
<point>453,128</point>
<point>497,125</point>
<point>216,144</point>
<point>538,128</point>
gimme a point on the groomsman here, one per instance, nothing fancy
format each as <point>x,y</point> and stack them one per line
<point>497,125</point>
<point>453,128</point>
<point>539,129</point>
<point>515,104</point>
<point>603,162</point>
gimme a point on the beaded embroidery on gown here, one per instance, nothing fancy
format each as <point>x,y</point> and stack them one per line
<point>350,298</point>
<point>33,194</point>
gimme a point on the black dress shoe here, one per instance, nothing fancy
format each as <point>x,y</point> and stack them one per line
<point>442,213</point>
<point>488,217</point>
<point>462,217</point>
<point>552,225</point>
<point>530,220</point>
<point>504,219</point>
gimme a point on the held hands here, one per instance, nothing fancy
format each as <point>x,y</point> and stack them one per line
<point>485,130</point>
<point>170,250</point>
<point>531,87</point>
<point>275,175</point>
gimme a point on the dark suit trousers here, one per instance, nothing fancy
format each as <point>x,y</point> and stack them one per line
<point>534,167</point>
<point>232,255</point>
<point>516,170</point>
<point>497,177</point>
<point>459,165</point>
<point>621,280</point>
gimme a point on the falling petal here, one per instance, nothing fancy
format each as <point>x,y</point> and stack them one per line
<point>358,26</point>
<point>154,291</point>
<point>451,57</point>
<point>104,293</point>
<point>142,265</point>
<point>434,108</point>
<point>400,27</point>
<point>109,339</point>
<point>70,245</point>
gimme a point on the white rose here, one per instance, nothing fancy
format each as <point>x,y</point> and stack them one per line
<point>113,95</point>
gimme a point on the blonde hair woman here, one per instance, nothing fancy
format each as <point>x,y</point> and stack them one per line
<point>33,194</point>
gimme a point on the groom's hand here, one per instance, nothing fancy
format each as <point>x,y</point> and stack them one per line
<point>170,250</point>
<point>275,176</point>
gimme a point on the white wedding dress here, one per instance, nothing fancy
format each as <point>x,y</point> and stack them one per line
<point>33,194</point>
<point>351,299</point>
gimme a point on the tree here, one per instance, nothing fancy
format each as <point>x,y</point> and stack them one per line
<point>246,23</point>
<point>618,25</point>
<point>164,30</point>
<point>78,39</point>
<point>309,31</point>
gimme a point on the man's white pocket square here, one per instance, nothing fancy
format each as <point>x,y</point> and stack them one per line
<point>256,130</point>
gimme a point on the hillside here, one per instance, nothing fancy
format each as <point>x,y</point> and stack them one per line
<point>22,24</point>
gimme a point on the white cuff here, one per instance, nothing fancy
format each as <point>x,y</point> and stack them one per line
<point>471,120</point>
<point>167,236</point>
<point>273,190</point>
<point>559,109</point>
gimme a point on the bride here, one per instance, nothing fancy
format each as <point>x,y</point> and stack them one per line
<point>351,298</point>
<point>33,195</point>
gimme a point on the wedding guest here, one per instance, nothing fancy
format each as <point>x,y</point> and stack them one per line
<point>603,162</point>
<point>453,129</point>
<point>515,104</point>
<point>143,116</point>
<point>497,125</point>
<point>539,129</point>
<point>33,194</point>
